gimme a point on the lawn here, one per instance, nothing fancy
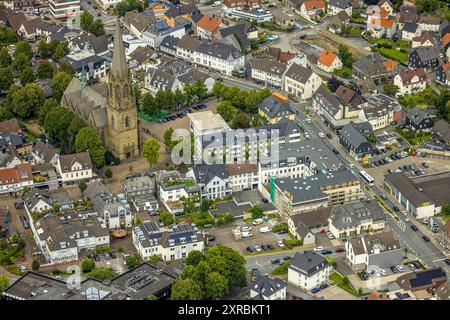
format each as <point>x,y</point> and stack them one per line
<point>354,32</point>
<point>414,138</point>
<point>339,280</point>
<point>153,117</point>
<point>282,269</point>
<point>392,50</point>
<point>345,72</point>
<point>394,54</point>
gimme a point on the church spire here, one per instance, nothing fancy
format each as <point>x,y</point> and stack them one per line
<point>119,68</point>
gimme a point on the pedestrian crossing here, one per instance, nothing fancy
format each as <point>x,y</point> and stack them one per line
<point>402,225</point>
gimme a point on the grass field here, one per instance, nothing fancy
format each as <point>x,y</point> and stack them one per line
<point>339,281</point>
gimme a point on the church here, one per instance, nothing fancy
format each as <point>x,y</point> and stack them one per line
<point>109,108</point>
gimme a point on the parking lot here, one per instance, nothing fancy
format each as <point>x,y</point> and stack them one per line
<point>225,236</point>
<point>434,166</point>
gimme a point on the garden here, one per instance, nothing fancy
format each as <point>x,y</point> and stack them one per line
<point>392,50</point>
<point>344,283</point>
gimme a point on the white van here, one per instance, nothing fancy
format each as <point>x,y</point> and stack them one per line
<point>216,4</point>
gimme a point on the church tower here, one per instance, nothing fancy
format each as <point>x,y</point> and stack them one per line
<point>122,137</point>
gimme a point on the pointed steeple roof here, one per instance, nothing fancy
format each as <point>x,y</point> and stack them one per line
<point>119,67</point>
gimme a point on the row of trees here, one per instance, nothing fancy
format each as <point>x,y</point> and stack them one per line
<point>169,100</point>
<point>130,5</point>
<point>54,49</point>
<point>246,101</point>
<point>210,275</point>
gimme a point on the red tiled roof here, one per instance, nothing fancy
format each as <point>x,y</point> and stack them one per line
<point>208,23</point>
<point>326,58</point>
<point>314,4</point>
<point>446,39</point>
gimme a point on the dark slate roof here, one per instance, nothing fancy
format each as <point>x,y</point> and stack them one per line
<point>305,221</point>
<point>219,50</point>
<point>205,173</point>
<point>353,214</point>
<point>170,42</point>
<point>298,73</point>
<point>43,151</point>
<point>78,64</point>
<point>189,9</point>
<point>343,4</point>
<point>417,115</point>
<point>410,27</point>
<point>273,107</point>
<point>330,102</point>
<point>266,286</point>
<point>308,263</point>
<point>10,139</point>
<point>427,53</point>
<point>352,135</point>
<point>268,65</point>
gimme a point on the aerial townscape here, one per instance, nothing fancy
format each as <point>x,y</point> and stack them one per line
<point>224,150</point>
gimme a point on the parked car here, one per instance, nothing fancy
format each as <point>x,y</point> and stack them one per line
<point>340,249</point>
<point>324,286</point>
<point>264,247</point>
<point>426,238</point>
<point>383,272</point>
<point>417,264</point>
<point>414,227</point>
<point>113,255</point>
<point>394,269</point>
<point>25,223</point>
<point>400,268</point>
<point>280,244</point>
<point>326,251</point>
<point>411,266</point>
<point>275,261</point>
<point>318,249</point>
<point>447,262</point>
<point>425,165</point>
<point>335,151</point>
<point>330,235</point>
<point>269,246</point>
<point>22,269</point>
<point>107,256</point>
<point>282,232</point>
<point>396,209</point>
<point>315,290</point>
<point>382,196</point>
<point>321,135</point>
<point>96,258</point>
<point>18,205</point>
<point>250,249</point>
<point>308,120</point>
<point>286,258</point>
<point>329,136</point>
<point>258,249</point>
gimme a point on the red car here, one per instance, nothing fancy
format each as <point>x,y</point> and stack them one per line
<point>340,250</point>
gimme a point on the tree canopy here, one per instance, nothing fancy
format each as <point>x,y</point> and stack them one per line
<point>150,151</point>
<point>87,139</point>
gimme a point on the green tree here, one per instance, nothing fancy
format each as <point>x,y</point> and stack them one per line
<point>345,56</point>
<point>61,51</point>
<point>87,140</point>
<point>166,218</point>
<point>128,5</point>
<point>82,185</point>
<point>6,79</point>
<point>5,58</point>
<point>149,104</point>
<point>5,114</point>
<point>241,121</point>
<point>186,289</point>
<point>102,274</point>
<point>179,98</point>
<point>257,212</point>
<point>23,47</point>
<point>390,89</point>
<point>44,70</point>
<point>21,62</point>
<point>132,261</point>
<point>26,101</point>
<point>56,123</point>
<point>445,209</point>
<point>87,265</point>
<point>48,105</point>
<point>154,258</point>
<point>150,151</point>
<point>88,24</point>
<point>27,76</point>
<point>108,173</point>
<point>428,6</point>
<point>227,111</point>
<point>4,283</point>
<point>35,265</point>
<point>205,205</point>
<point>60,82</point>
<point>43,48</point>
<point>200,89</point>
<point>151,297</point>
<point>216,286</point>
<point>229,263</point>
<point>194,258</point>
<point>218,89</point>
<point>66,67</point>
<point>75,126</point>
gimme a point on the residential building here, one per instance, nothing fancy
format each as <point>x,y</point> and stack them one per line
<point>380,24</point>
<point>375,67</point>
<point>155,33</point>
<point>337,21</point>
<point>207,26</point>
<point>336,6</point>
<point>269,71</point>
<point>422,281</point>
<point>282,18</point>
<point>328,61</point>
<point>220,57</point>
<point>370,252</point>
<point>172,188</point>
<point>43,153</point>
<point>64,8</point>
<point>422,196</point>
<point>301,82</point>
<point>443,291</point>
<point>424,57</point>
<point>381,111</point>
<point>308,270</point>
<point>137,22</point>
<point>304,226</point>
<point>265,288</point>
<point>13,180</point>
<point>186,48</point>
<point>429,23</point>
<point>443,74</point>
<point>411,30</point>
<point>312,9</point>
<point>323,189</point>
<point>275,108</point>
<point>169,244</point>
<point>444,236</point>
<point>88,66</point>
<point>356,142</point>
<point>140,192</point>
<point>243,176</point>
<point>410,81</point>
<point>418,120</point>
<point>441,131</point>
<point>228,6</point>
<point>169,45</point>
<point>386,6</point>
<point>351,98</point>
<point>212,179</point>
<point>113,210</point>
<point>9,158</point>
<point>74,167</point>
<point>424,40</point>
<point>41,200</point>
<point>352,219</point>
